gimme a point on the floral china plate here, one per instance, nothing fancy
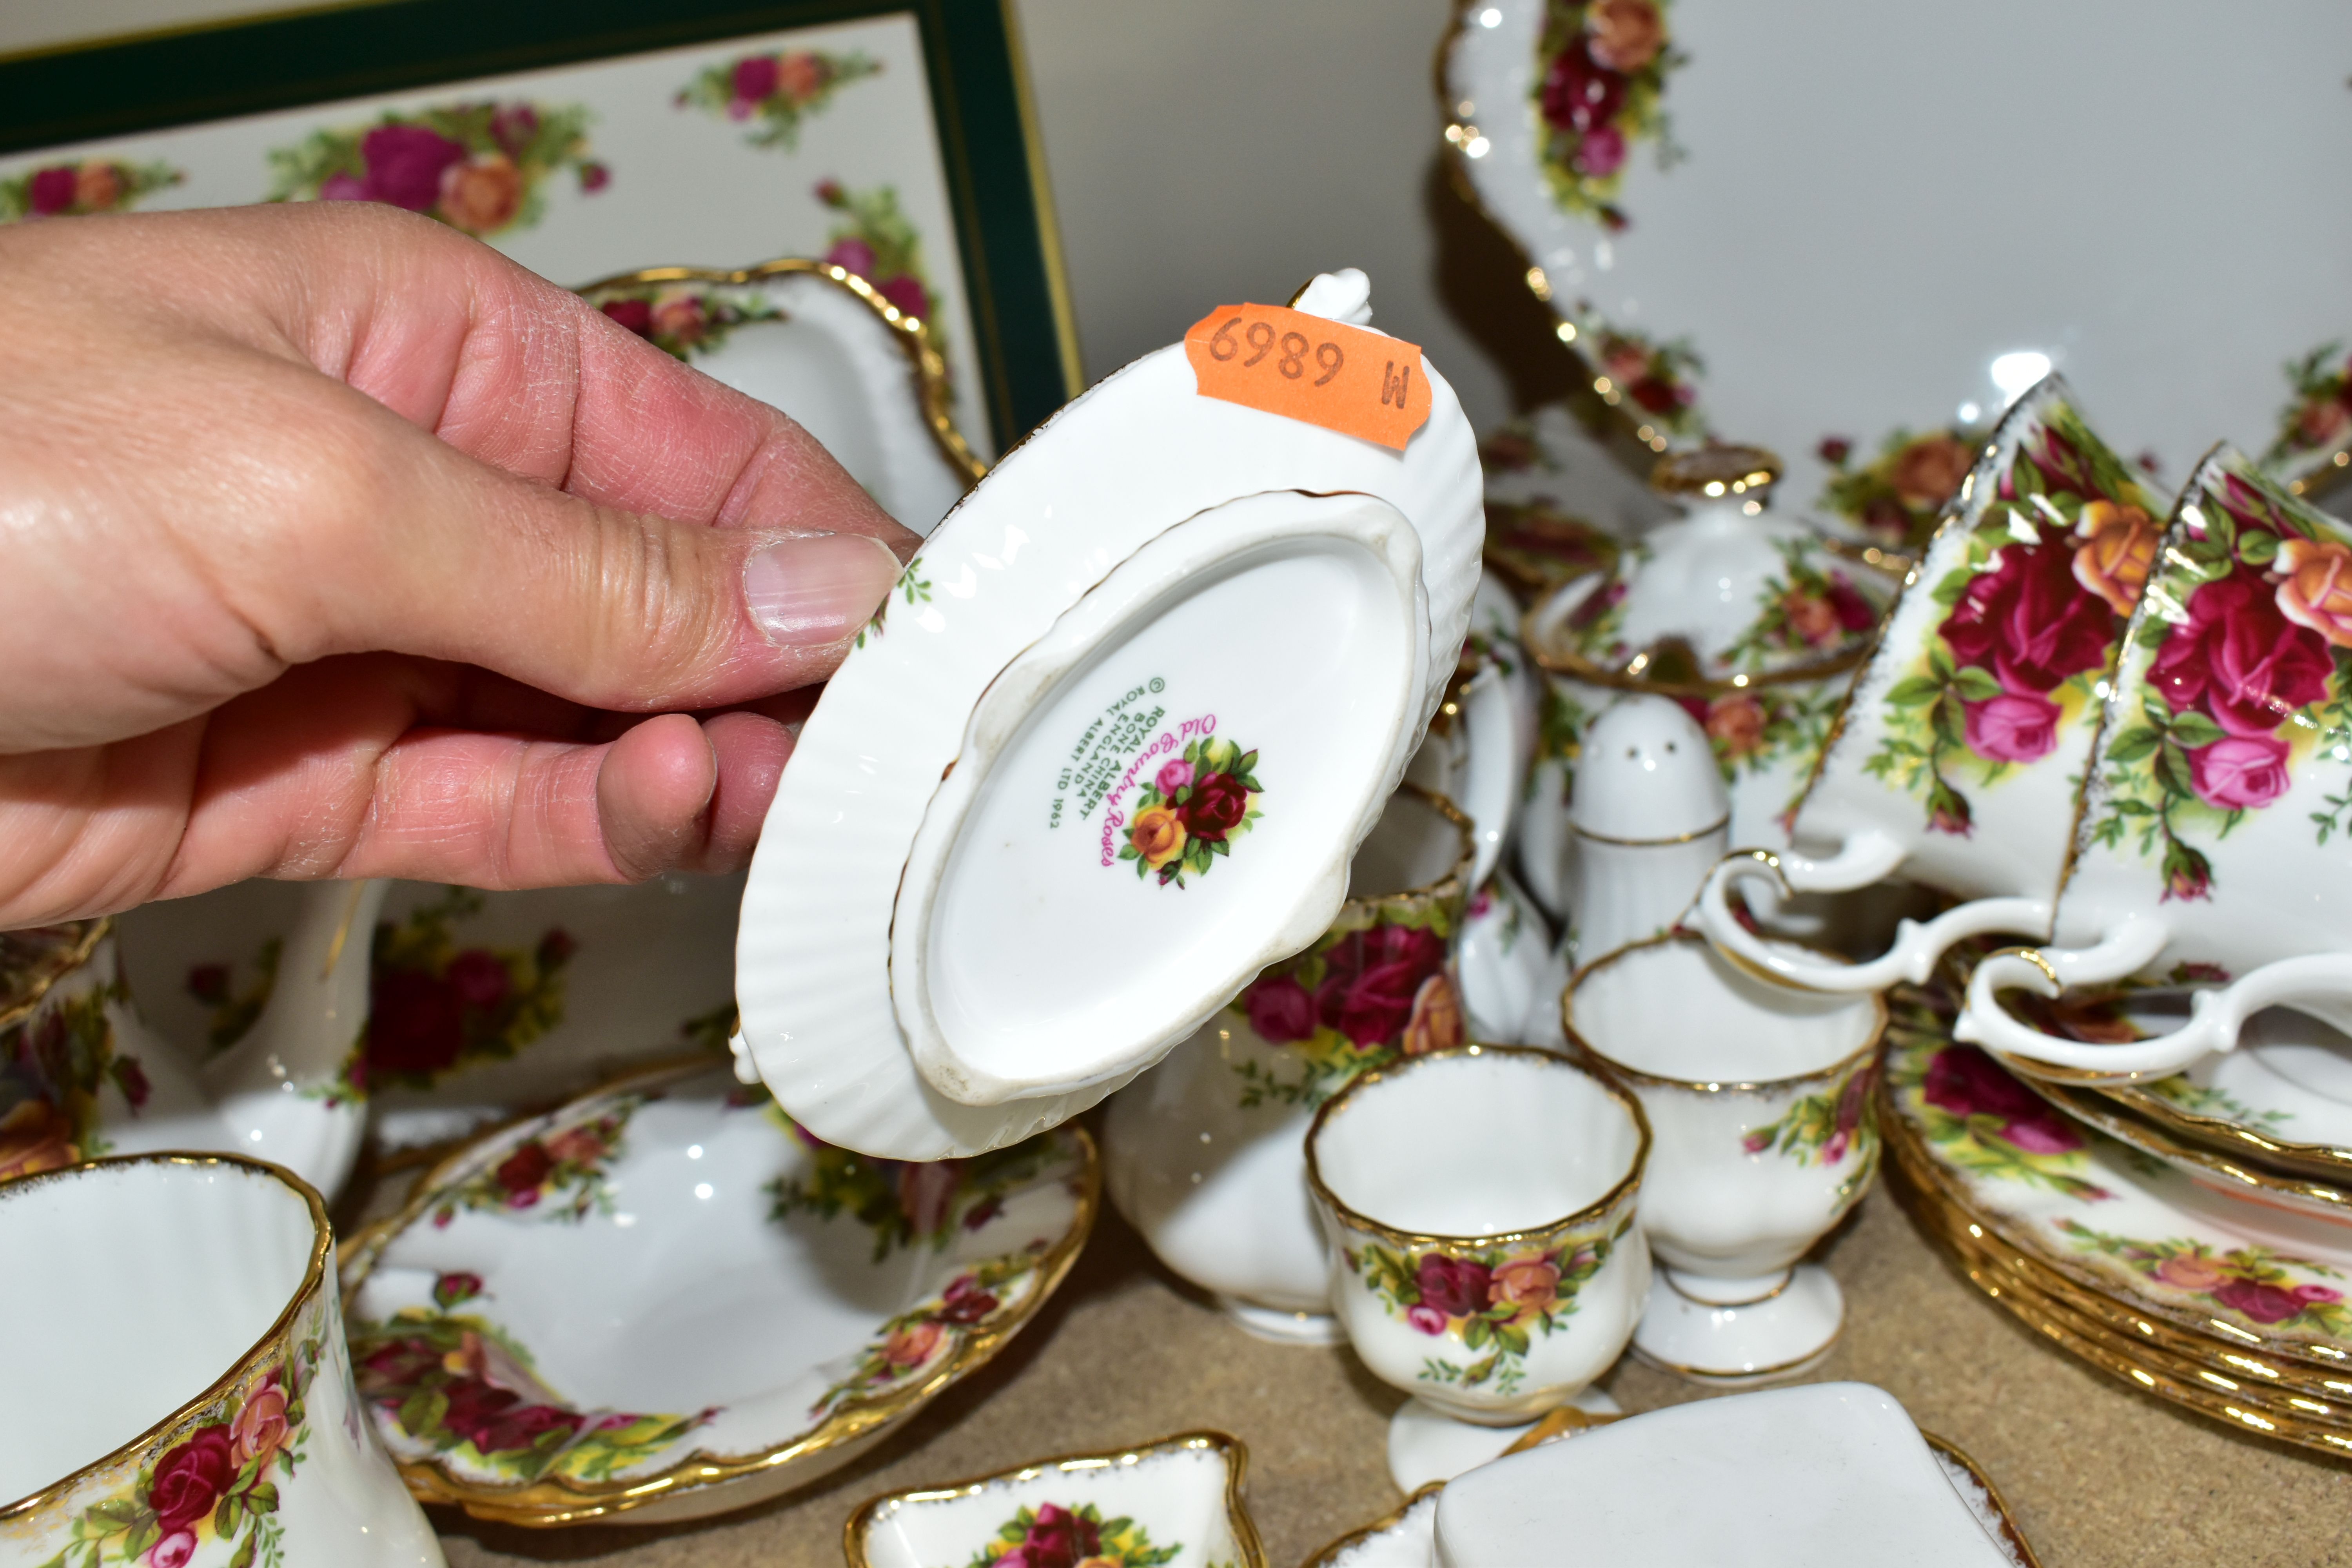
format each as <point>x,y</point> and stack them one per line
<point>665,1300</point>
<point>1640,154</point>
<point>2116,1221</point>
<point>483,1007</point>
<point>1103,756</point>
<point>1173,1503</point>
<point>826,346</point>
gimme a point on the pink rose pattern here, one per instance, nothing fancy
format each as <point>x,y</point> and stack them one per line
<point>2029,617</point>
<point>2252,669</point>
<point>1492,1303</point>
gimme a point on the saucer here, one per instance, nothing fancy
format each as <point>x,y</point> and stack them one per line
<point>1102,757</point>
<point>824,345</point>
<point>1173,1503</point>
<point>2116,1222</point>
<point>663,1301</point>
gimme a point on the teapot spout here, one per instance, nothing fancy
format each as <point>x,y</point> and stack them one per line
<point>291,1092</point>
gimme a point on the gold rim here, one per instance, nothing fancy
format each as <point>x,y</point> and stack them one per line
<point>54,968</point>
<point>1717,826</point>
<point>314,1275</point>
<point>912,334</point>
<point>1836,1070</point>
<point>563,1501</point>
<point>2019,1546</point>
<point>2123,1125</point>
<point>1333,1548</point>
<point>1717,469</point>
<point>1454,884</point>
<point>1629,676</point>
<point>1599,1208</point>
<point>1721,1379</point>
<point>1230,1449</point>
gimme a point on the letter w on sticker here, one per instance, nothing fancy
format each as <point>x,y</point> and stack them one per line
<point>1305,367</point>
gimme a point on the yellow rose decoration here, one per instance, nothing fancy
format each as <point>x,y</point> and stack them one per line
<point>2316,588</point>
<point>1157,835</point>
<point>2119,547</point>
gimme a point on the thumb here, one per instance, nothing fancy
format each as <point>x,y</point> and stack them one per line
<point>449,558</point>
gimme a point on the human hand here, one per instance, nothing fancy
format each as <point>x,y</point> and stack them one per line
<point>334,544</point>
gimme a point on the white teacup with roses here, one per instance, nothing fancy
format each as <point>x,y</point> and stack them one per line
<point>2216,839</point>
<point>1958,756</point>
<point>195,1385</point>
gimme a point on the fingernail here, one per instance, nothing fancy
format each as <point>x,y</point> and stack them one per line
<point>819,589</point>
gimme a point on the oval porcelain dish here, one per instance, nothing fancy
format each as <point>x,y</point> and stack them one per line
<point>1104,755</point>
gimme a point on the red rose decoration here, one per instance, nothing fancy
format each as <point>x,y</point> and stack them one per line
<point>2241,658</point>
<point>417,1023</point>
<point>1580,93</point>
<point>496,1420</point>
<point>1456,1287</point>
<point>51,190</point>
<point>637,315</point>
<point>190,1478</point>
<point>908,293</point>
<point>1371,978</point>
<point>2263,1303</point>
<point>965,1303</point>
<point>1853,612</point>
<point>1280,1010</point>
<point>478,978</point>
<point>1216,807</point>
<point>1964,1081</point>
<point>405,163</point>
<point>755,78</point>
<point>521,1172</point>
<point>1056,1538</point>
<point>2029,622</point>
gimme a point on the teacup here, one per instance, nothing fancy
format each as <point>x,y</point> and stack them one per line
<point>1495,1270</point>
<point>1759,1097</point>
<point>1204,1154</point>
<point>2214,844</point>
<point>1958,756</point>
<point>193,1385</point>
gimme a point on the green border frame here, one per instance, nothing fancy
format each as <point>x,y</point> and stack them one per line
<point>995,167</point>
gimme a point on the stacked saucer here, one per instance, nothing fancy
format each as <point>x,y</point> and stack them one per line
<point>2140,1256</point>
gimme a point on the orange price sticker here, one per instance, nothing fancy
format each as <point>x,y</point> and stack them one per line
<point>1306,367</point>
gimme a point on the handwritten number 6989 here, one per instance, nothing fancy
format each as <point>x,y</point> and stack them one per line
<point>1223,346</point>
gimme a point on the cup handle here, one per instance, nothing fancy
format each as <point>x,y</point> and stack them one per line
<point>1865,860</point>
<point>2215,1020</point>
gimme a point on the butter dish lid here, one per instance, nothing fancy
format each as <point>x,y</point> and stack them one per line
<point>1105,752</point>
<point>1783,1478</point>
